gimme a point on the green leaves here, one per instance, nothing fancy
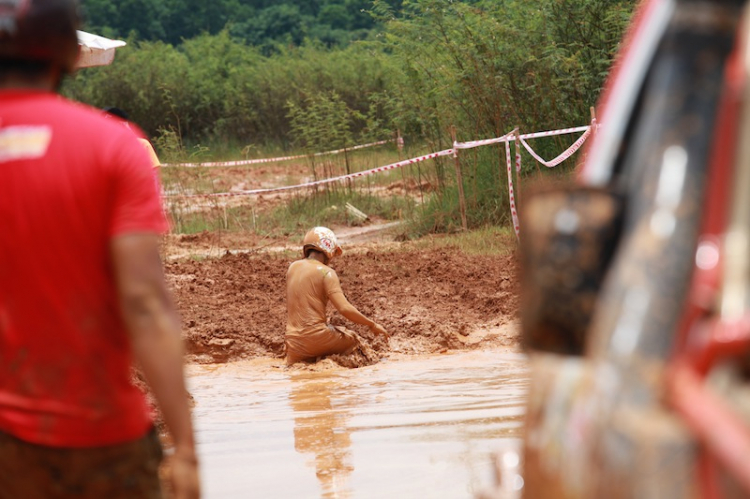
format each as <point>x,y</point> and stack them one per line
<point>284,73</point>
<point>493,65</point>
<point>260,23</point>
<point>323,122</point>
<point>215,88</point>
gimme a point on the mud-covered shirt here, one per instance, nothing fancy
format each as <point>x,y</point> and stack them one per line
<point>309,286</point>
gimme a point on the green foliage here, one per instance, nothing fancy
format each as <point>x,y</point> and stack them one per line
<point>285,73</point>
<point>213,88</point>
<point>492,66</point>
<point>261,23</point>
<point>487,67</point>
<point>324,123</point>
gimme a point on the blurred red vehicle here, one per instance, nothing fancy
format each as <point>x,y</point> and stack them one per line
<point>636,280</point>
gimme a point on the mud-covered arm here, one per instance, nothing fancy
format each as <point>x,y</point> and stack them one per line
<point>342,305</point>
<point>154,330</point>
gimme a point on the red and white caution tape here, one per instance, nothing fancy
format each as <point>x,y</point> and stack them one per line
<point>551,133</point>
<point>371,171</point>
<point>518,158</point>
<point>235,163</point>
<point>509,136</point>
<point>486,142</point>
<point>244,162</point>
<point>565,155</point>
<point>448,152</point>
<point>456,145</point>
<point>513,211</point>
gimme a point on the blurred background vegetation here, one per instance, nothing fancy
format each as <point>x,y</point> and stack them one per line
<point>234,78</point>
<point>263,23</point>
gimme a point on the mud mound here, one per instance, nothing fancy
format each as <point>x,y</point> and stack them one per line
<point>213,243</point>
<point>363,355</point>
<point>232,307</point>
<point>429,300</point>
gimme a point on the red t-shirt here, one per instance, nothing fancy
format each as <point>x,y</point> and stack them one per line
<point>70,180</point>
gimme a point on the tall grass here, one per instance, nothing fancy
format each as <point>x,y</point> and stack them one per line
<point>410,194</point>
<point>293,217</point>
<point>481,67</point>
<point>488,241</point>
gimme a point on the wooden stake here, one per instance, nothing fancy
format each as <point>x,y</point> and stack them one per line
<point>348,170</point>
<point>584,156</point>
<point>399,147</point>
<point>593,120</point>
<point>460,183</point>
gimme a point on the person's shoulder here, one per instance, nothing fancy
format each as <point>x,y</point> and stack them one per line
<point>295,265</point>
<point>313,267</point>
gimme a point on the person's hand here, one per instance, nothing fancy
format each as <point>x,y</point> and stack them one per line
<point>185,479</point>
<point>378,329</point>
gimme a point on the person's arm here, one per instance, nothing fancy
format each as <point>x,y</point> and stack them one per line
<point>348,310</point>
<point>154,330</point>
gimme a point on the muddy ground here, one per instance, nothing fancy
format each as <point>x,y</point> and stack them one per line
<point>430,299</point>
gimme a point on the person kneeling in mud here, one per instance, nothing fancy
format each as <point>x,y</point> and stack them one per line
<point>311,283</point>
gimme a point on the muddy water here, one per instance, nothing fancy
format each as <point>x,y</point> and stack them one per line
<point>406,428</point>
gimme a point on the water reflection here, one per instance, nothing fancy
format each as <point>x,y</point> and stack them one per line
<point>416,427</point>
<point>320,429</point>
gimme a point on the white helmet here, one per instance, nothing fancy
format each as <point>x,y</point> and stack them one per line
<point>322,239</point>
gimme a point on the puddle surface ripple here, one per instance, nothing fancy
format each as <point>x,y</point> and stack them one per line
<point>422,427</point>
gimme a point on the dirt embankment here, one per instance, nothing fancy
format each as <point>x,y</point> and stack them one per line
<point>430,300</point>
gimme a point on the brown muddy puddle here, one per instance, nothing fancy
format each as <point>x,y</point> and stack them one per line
<point>407,428</point>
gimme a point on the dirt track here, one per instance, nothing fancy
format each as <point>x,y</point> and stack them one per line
<point>430,300</point>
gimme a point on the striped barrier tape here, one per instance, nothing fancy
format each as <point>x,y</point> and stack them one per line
<point>562,157</point>
<point>245,162</point>
<point>509,136</point>
<point>551,133</point>
<point>448,152</point>
<point>364,173</point>
<point>511,194</point>
<point>518,158</point>
<point>233,163</point>
<point>485,142</point>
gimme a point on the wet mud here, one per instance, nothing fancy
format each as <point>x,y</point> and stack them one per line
<point>430,300</point>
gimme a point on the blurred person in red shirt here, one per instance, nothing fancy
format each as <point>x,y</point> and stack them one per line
<point>82,291</point>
